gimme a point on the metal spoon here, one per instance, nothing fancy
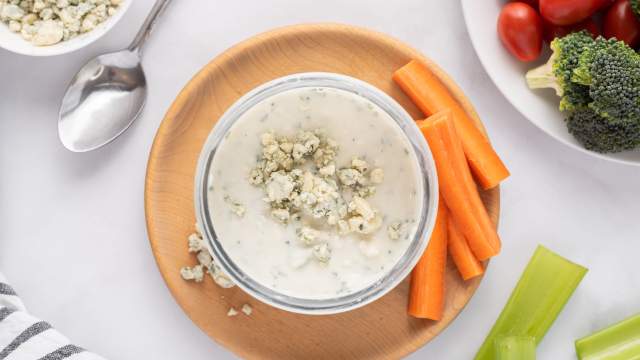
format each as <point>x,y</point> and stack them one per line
<point>106,95</point>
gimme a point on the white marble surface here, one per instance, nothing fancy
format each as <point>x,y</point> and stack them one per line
<point>72,235</point>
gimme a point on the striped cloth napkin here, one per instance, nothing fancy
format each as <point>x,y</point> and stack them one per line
<point>24,337</point>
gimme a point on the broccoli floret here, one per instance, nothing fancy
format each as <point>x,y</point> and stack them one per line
<point>557,72</point>
<point>599,82</point>
<point>611,70</point>
<point>598,134</point>
<point>635,5</point>
<point>581,72</point>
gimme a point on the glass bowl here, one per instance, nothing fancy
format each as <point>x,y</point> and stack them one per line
<point>414,250</point>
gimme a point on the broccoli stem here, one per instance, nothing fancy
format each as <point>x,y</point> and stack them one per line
<point>544,77</point>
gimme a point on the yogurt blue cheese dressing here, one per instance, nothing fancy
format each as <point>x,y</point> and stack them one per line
<point>315,193</point>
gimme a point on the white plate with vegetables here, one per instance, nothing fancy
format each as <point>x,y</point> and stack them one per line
<point>540,106</point>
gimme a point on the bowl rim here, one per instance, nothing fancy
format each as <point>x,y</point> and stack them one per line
<point>413,252</point>
<point>24,47</point>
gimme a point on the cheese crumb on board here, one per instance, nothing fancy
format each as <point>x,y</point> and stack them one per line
<point>247,309</point>
<point>195,273</point>
<point>206,263</point>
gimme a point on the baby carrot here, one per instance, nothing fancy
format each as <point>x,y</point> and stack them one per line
<point>457,186</point>
<point>431,96</point>
<point>426,295</point>
<point>467,264</point>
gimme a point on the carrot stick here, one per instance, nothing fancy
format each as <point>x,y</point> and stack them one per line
<point>467,264</point>
<point>457,187</point>
<point>431,96</point>
<point>426,295</point>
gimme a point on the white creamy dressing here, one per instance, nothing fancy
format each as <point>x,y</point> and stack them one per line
<point>267,250</point>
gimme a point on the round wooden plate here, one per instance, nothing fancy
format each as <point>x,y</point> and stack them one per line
<point>381,330</point>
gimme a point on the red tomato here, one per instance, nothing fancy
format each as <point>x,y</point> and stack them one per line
<point>567,12</point>
<point>552,31</point>
<point>620,22</point>
<point>606,4</point>
<point>532,3</point>
<point>520,29</point>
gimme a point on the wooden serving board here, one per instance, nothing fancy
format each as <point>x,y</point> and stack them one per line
<point>381,330</point>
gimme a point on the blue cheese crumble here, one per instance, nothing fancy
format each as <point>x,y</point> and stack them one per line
<point>247,309</point>
<point>301,180</point>
<point>48,22</point>
<point>235,206</point>
<point>206,263</point>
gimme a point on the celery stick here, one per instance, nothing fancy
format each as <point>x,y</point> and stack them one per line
<point>516,348</point>
<point>542,291</point>
<point>617,342</point>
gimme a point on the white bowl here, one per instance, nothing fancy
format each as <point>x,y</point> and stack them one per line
<point>15,43</point>
<point>539,106</point>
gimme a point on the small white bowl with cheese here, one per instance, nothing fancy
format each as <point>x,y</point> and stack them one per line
<point>55,27</point>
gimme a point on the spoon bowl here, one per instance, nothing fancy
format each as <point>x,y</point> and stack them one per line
<point>102,101</point>
<point>106,95</point>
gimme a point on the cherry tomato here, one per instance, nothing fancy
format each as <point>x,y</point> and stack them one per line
<point>606,4</point>
<point>552,31</point>
<point>532,3</point>
<point>620,22</point>
<point>568,12</point>
<point>520,29</point>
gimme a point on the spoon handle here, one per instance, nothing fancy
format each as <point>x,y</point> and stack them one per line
<point>147,27</point>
